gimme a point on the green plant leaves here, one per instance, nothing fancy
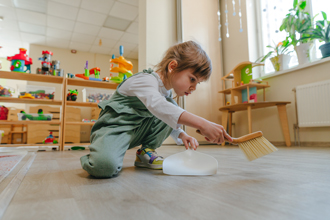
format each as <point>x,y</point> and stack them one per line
<point>324,15</point>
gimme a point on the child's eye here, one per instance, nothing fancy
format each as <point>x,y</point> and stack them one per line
<point>192,79</point>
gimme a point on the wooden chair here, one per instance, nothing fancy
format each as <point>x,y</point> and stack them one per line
<point>18,129</point>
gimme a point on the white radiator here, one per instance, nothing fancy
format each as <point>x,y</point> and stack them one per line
<point>313,104</point>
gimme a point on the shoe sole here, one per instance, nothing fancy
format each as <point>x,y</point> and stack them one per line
<point>150,166</point>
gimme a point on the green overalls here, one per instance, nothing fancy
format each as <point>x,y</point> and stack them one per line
<point>124,122</point>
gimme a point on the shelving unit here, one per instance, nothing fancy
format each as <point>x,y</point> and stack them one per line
<point>63,103</point>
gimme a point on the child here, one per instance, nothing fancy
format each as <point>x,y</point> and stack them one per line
<point>143,112</point>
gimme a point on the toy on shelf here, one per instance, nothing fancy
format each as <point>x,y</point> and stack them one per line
<point>40,116</point>
<point>87,120</point>
<point>6,91</point>
<point>96,95</point>
<point>3,113</point>
<point>123,69</point>
<point>37,92</point>
<point>50,139</point>
<point>19,61</point>
<point>49,67</point>
<point>86,75</point>
<point>72,95</point>
<point>70,75</point>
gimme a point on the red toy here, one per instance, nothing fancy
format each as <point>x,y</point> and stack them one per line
<point>50,139</point>
<point>3,113</point>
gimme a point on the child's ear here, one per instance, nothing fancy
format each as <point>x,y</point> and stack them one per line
<point>172,65</point>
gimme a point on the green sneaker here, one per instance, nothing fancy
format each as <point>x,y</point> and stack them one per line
<point>148,158</point>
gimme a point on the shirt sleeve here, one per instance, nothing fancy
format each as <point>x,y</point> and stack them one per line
<point>147,90</point>
<point>175,135</point>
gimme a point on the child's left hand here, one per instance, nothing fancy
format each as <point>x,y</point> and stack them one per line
<point>186,139</point>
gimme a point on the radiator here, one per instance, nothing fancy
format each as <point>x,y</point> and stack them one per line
<point>313,104</point>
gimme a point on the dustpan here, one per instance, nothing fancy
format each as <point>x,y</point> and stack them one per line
<point>190,162</point>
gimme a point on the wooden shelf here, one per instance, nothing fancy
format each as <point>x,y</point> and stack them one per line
<point>258,85</point>
<point>31,77</point>
<point>81,104</point>
<point>30,101</point>
<point>55,122</point>
<point>254,105</point>
<point>90,83</point>
<point>79,123</point>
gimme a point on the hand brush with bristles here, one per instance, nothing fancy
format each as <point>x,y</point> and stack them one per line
<point>253,145</point>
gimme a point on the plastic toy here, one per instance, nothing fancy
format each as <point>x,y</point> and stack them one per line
<point>3,113</point>
<point>49,67</point>
<point>190,162</point>
<point>106,79</point>
<point>70,75</point>
<point>38,94</point>
<point>87,120</point>
<point>26,96</point>
<point>6,91</point>
<point>78,148</point>
<point>72,95</point>
<point>50,139</point>
<point>86,75</point>
<point>40,117</point>
<point>19,61</point>
<point>123,69</point>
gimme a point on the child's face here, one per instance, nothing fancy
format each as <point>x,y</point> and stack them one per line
<point>184,82</point>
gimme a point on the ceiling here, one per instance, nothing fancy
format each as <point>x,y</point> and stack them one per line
<point>70,24</point>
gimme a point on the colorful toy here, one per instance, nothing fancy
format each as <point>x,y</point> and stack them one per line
<point>26,96</point>
<point>19,61</point>
<point>6,91</point>
<point>40,117</point>
<point>123,69</point>
<point>38,94</point>
<point>50,139</point>
<point>3,113</point>
<point>86,75</point>
<point>49,67</point>
<point>70,75</point>
<point>72,95</point>
<point>87,120</point>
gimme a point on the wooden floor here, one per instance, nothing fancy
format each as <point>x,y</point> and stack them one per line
<point>293,183</point>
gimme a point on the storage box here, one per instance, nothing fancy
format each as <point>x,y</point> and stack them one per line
<point>38,92</point>
<point>96,95</point>
<point>34,117</point>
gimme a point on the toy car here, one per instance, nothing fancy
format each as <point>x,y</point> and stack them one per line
<point>26,96</point>
<point>40,117</point>
<point>50,139</point>
<point>72,95</point>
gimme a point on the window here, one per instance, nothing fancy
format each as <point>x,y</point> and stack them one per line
<point>271,14</point>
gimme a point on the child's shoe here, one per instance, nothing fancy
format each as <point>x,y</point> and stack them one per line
<point>147,157</point>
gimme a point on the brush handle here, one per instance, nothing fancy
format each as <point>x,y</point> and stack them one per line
<point>243,138</point>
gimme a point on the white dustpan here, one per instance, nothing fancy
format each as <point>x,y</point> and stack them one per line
<point>190,162</point>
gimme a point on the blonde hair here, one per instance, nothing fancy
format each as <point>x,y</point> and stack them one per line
<point>188,55</point>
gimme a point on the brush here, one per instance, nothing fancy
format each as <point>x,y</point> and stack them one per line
<point>253,145</point>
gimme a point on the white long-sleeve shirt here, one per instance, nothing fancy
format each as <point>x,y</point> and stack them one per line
<point>152,92</point>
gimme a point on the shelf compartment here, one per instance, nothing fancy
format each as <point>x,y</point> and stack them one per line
<point>250,85</point>
<point>81,104</point>
<point>90,83</point>
<point>30,101</point>
<point>31,77</point>
<point>55,122</point>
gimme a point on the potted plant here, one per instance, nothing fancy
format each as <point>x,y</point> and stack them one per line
<point>322,33</point>
<point>279,54</point>
<point>295,23</point>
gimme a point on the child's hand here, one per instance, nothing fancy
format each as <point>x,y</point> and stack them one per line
<point>215,133</point>
<point>186,139</point>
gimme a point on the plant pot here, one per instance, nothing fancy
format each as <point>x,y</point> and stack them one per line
<point>281,62</point>
<point>325,50</point>
<point>302,51</point>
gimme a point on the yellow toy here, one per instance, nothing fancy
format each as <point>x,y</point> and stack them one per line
<point>26,96</point>
<point>123,69</point>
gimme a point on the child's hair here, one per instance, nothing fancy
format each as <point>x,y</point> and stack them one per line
<point>188,55</point>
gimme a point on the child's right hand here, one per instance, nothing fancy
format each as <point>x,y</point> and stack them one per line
<point>215,133</point>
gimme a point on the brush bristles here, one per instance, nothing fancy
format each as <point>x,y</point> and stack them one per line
<point>257,147</point>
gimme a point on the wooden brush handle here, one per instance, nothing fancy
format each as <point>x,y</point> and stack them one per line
<point>243,138</point>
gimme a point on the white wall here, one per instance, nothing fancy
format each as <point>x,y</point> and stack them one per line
<point>200,23</point>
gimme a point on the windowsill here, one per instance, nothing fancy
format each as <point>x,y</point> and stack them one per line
<point>317,62</point>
